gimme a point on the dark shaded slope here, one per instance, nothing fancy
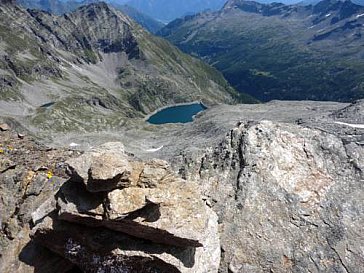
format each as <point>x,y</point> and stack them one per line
<point>281,52</point>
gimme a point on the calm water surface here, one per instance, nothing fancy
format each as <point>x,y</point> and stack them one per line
<point>177,114</point>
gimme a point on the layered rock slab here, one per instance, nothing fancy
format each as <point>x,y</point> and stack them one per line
<point>151,204</point>
<point>159,207</point>
<point>95,249</point>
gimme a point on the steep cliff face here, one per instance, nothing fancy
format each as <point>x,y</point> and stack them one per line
<point>289,199</point>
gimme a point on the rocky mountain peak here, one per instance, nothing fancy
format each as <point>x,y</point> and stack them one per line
<point>343,9</point>
<point>96,6</point>
<point>241,4</point>
<point>346,7</point>
<point>336,10</point>
<point>255,7</point>
<point>94,27</point>
<point>94,10</point>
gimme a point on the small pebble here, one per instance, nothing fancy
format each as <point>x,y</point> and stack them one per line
<point>40,168</point>
<point>4,127</point>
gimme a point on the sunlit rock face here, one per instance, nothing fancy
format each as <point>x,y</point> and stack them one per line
<point>156,221</point>
<point>289,198</point>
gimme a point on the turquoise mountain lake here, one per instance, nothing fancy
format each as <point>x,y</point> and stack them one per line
<point>177,114</point>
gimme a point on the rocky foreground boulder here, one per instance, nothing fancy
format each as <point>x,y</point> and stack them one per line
<point>289,198</point>
<point>121,215</point>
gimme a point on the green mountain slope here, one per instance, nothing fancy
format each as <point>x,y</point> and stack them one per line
<point>93,69</point>
<point>281,52</point>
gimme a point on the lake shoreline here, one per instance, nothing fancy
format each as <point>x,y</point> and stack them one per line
<point>147,117</point>
<point>174,115</point>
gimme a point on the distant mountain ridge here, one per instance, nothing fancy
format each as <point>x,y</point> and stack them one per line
<point>168,10</point>
<point>303,3</point>
<point>314,2</point>
<point>144,20</point>
<point>94,69</point>
<point>275,51</point>
<point>160,10</point>
<point>59,7</point>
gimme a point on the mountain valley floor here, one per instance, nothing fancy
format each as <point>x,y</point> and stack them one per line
<point>210,126</point>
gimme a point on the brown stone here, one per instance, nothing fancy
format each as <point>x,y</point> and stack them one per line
<point>102,169</point>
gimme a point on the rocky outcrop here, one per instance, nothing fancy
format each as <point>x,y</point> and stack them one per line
<point>156,221</point>
<point>354,113</point>
<point>102,169</point>
<point>29,174</point>
<point>289,198</point>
